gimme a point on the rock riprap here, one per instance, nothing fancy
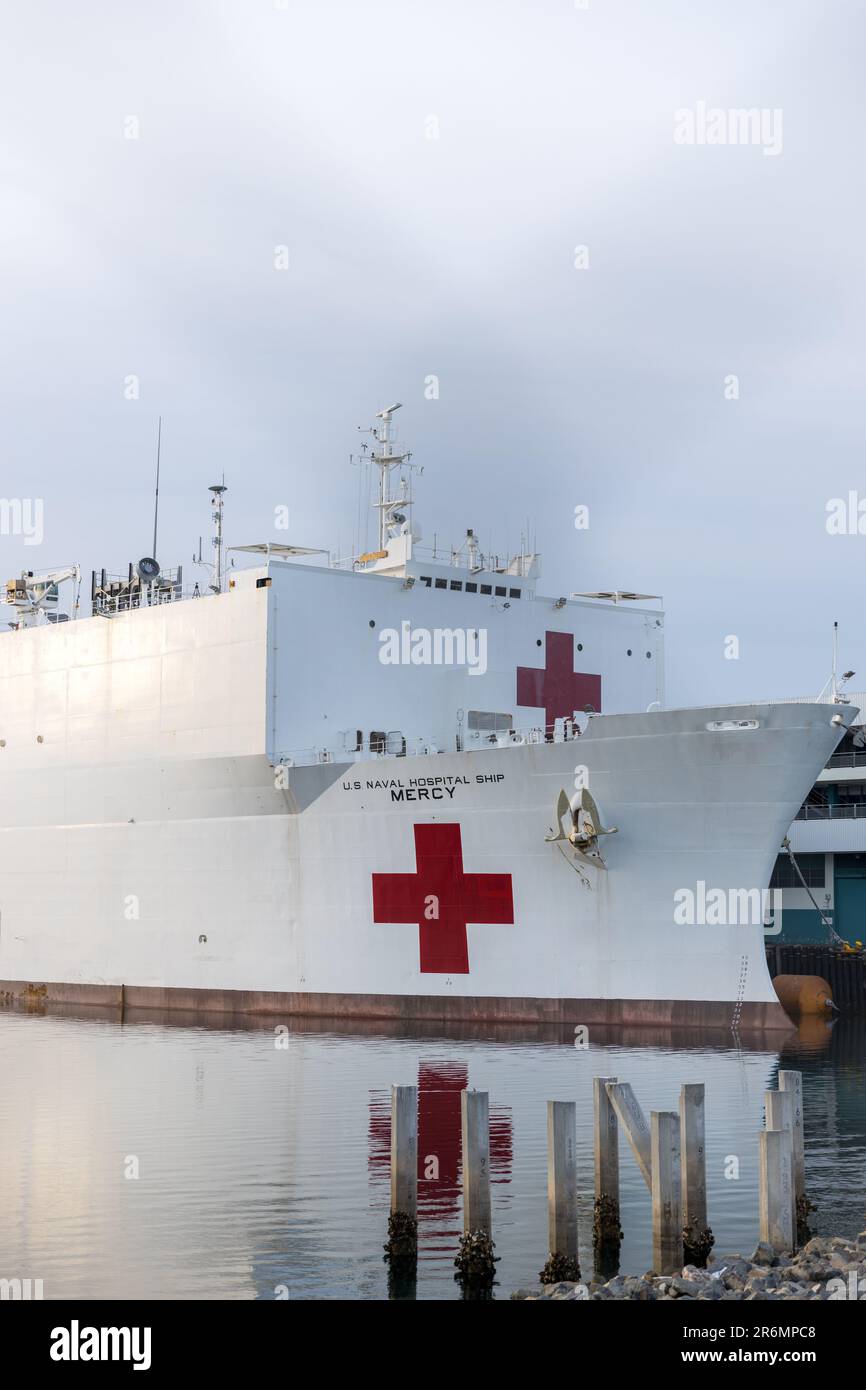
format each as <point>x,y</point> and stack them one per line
<point>828,1267</point>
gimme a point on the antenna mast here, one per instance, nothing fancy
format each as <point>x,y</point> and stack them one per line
<point>217,516</point>
<point>385,459</point>
<point>835,682</point>
<point>834,689</point>
<point>156,496</point>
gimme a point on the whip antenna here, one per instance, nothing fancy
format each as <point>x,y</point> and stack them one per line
<point>156,497</point>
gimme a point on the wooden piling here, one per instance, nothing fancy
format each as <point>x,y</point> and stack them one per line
<point>404,1149</point>
<point>402,1246</point>
<point>633,1121</point>
<point>697,1236</point>
<point>606,1228</point>
<point>475,1261</point>
<point>779,1110</point>
<point>792,1083</point>
<point>665,1188</point>
<point>775,1188</point>
<point>475,1133</point>
<point>670,1153</point>
<point>561,1192</point>
<point>562,1177</point>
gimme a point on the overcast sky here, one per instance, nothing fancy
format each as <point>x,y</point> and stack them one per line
<point>309,126</point>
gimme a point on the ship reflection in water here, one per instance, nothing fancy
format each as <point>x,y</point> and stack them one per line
<point>160,1157</point>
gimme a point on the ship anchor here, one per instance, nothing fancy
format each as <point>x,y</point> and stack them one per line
<point>579,824</point>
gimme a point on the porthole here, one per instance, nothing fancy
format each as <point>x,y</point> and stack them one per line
<point>372,622</point>
<point>628,653</point>
<point>538,641</point>
<point>580,646</point>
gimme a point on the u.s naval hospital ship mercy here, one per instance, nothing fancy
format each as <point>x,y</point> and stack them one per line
<point>281,795</point>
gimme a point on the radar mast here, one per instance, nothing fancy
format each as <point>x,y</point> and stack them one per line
<point>391,518</point>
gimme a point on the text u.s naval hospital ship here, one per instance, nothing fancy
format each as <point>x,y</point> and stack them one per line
<point>387,787</point>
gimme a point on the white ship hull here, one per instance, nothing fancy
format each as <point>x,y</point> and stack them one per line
<point>149,855</point>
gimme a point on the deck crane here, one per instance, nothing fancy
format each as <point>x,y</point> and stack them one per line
<point>35,596</point>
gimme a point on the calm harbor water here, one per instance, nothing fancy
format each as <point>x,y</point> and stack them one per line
<point>262,1161</point>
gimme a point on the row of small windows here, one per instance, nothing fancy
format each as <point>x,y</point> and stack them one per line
<point>485,589</point>
<point>470,587</point>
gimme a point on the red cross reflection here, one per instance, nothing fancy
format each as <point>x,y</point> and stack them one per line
<point>439,1195</point>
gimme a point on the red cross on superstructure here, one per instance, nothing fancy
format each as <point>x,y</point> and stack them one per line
<point>442,899</point>
<point>558,687</point>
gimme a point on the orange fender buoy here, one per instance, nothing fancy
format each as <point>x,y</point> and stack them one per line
<point>804,994</point>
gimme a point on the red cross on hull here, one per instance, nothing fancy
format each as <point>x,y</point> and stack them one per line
<point>442,899</point>
<point>558,687</point>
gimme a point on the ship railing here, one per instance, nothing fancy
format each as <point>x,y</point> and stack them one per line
<point>133,600</point>
<point>849,810</point>
<point>849,758</point>
<point>459,559</point>
<point>394,745</point>
<point>454,559</point>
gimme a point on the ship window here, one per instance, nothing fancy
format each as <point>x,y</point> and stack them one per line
<point>514,593</point>
<point>471,588</point>
<point>500,591</point>
<point>425,579</point>
<point>456,583</point>
<point>378,740</point>
<point>486,589</point>
<point>441,583</point>
<point>487,721</point>
<point>811,867</point>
